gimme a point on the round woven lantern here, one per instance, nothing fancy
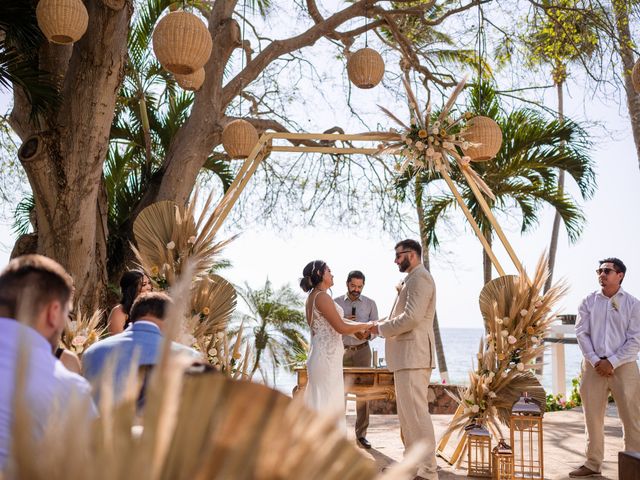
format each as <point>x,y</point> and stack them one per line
<point>635,76</point>
<point>191,82</point>
<point>365,68</point>
<point>485,132</point>
<point>238,138</point>
<point>182,43</point>
<point>62,21</point>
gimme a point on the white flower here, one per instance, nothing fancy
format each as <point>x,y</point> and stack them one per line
<point>520,366</point>
<point>192,240</point>
<point>504,374</point>
<point>435,130</point>
<point>213,352</point>
<point>436,124</point>
<point>504,333</point>
<point>447,145</point>
<point>499,321</point>
<point>419,145</point>
<point>220,335</point>
<point>524,312</point>
<point>491,375</point>
<point>535,339</point>
<point>511,339</point>
<point>171,245</point>
<point>475,408</point>
<point>538,304</point>
<point>465,160</point>
<point>492,395</point>
<point>408,141</point>
<point>79,340</point>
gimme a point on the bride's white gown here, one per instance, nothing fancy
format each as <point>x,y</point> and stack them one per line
<point>325,386</point>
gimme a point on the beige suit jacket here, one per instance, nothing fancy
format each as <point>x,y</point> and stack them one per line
<point>409,339</point>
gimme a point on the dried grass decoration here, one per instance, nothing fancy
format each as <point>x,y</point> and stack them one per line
<point>635,76</point>
<point>238,138</point>
<point>484,137</point>
<point>191,82</point>
<point>517,316</point>
<point>182,42</point>
<point>62,21</point>
<point>82,331</point>
<point>365,68</point>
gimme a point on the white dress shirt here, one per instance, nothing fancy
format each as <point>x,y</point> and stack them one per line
<point>609,327</point>
<point>49,385</point>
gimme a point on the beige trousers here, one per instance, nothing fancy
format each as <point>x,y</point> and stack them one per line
<point>594,390</point>
<point>412,387</point>
<point>359,358</point>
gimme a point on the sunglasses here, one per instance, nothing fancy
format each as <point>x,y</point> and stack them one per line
<point>606,271</point>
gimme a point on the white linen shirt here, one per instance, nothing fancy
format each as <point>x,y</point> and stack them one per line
<point>609,327</point>
<point>49,385</point>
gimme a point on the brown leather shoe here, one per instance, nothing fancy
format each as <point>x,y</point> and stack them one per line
<point>583,472</point>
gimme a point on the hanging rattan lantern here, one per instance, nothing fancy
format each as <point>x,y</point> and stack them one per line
<point>487,134</point>
<point>365,68</point>
<point>238,138</point>
<point>478,451</point>
<point>635,76</point>
<point>191,82</point>
<point>62,21</point>
<point>182,43</point>
<point>502,461</point>
<point>525,425</point>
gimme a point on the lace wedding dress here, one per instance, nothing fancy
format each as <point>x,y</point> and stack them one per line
<point>325,386</point>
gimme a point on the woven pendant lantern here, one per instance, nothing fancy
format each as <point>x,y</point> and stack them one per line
<point>191,82</point>
<point>62,21</point>
<point>182,43</point>
<point>365,68</point>
<point>485,132</point>
<point>635,76</point>
<point>238,138</point>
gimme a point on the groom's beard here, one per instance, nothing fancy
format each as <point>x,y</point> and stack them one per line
<point>404,265</point>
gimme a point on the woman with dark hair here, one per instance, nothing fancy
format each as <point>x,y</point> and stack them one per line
<point>132,284</point>
<point>325,387</point>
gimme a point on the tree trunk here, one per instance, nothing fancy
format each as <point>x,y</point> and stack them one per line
<point>625,48</point>
<point>442,362</point>
<point>63,156</point>
<point>555,231</point>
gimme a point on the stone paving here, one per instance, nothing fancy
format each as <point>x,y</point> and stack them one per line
<point>563,442</point>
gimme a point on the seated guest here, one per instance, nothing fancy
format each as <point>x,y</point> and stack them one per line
<point>38,291</point>
<point>132,284</point>
<point>141,342</point>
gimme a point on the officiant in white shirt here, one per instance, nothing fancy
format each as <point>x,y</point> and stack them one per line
<point>357,352</point>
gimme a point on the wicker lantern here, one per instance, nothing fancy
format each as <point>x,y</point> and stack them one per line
<point>502,461</point>
<point>62,21</point>
<point>485,132</point>
<point>635,76</point>
<point>191,82</point>
<point>238,138</point>
<point>478,451</point>
<point>182,43</point>
<point>525,425</point>
<point>365,68</point>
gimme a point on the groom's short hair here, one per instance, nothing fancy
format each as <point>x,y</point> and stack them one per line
<point>409,244</point>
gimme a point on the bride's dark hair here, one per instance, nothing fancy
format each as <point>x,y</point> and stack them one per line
<point>312,275</point>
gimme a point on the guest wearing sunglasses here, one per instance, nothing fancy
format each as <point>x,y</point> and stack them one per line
<point>608,332</point>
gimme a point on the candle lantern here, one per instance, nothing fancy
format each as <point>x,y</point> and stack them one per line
<point>525,426</point>
<point>478,451</point>
<point>502,461</point>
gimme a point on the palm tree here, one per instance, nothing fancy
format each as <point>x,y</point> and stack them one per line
<point>277,327</point>
<point>524,174</point>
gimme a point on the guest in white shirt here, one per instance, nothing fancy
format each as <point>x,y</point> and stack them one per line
<point>608,332</point>
<point>38,291</point>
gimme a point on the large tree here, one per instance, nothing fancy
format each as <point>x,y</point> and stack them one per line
<point>64,149</point>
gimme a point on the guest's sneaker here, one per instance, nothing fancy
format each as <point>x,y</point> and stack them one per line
<point>583,472</point>
<point>364,443</point>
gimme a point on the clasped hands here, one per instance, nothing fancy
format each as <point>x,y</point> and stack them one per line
<point>368,329</point>
<point>604,368</point>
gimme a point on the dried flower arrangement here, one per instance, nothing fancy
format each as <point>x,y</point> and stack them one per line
<point>517,316</point>
<point>82,331</point>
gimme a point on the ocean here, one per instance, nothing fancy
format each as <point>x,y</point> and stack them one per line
<point>460,349</point>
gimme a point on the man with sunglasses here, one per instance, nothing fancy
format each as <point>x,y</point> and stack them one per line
<point>608,332</point>
<point>409,348</point>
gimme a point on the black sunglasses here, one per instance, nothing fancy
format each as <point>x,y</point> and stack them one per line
<point>606,271</point>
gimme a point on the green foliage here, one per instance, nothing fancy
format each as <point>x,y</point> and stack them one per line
<point>276,326</point>
<point>558,402</point>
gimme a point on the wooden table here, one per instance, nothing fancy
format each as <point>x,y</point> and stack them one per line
<point>360,383</point>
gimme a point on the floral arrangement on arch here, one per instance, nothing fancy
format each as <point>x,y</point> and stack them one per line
<point>82,331</point>
<point>517,316</point>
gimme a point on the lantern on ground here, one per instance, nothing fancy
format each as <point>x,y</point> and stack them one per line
<point>192,81</point>
<point>635,76</point>
<point>502,461</point>
<point>486,133</point>
<point>238,138</point>
<point>182,43</point>
<point>525,425</point>
<point>478,451</point>
<point>365,68</point>
<point>62,21</point>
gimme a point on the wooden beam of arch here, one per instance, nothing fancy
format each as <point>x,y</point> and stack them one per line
<point>265,146</point>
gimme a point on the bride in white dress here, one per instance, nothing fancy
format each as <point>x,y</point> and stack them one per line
<point>325,387</point>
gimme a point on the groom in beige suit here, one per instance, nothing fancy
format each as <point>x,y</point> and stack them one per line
<point>410,351</point>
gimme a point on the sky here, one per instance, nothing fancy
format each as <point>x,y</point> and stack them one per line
<point>612,229</point>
